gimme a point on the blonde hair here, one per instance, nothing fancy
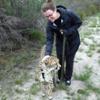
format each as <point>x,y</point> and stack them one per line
<point>48,5</point>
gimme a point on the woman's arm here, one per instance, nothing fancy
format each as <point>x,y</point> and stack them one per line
<point>49,40</point>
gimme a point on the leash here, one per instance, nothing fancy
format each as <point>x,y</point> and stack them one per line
<point>63,57</point>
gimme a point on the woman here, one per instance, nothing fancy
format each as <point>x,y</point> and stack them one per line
<point>63,23</point>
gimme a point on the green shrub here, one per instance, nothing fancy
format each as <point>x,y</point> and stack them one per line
<point>93,8</point>
<point>37,35</point>
<point>26,9</point>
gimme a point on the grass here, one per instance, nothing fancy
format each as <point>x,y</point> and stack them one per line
<point>78,97</point>
<point>19,59</point>
<point>82,94</point>
<point>3,96</point>
<point>89,53</point>
<point>92,47</point>
<point>14,69</point>
<point>84,35</point>
<point>19,91</point>
<point>22,78</point>
<point>35,88</point>
<point>91,50</point>
<point>85,75</point>
<point>19,81</point>
<point>93,23</point>
<point>89,88</point>
<point>29,98</point>
<point>61,86</point>
<point>93,88</point>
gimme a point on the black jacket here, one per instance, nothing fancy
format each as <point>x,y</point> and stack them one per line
<point>70,23</point>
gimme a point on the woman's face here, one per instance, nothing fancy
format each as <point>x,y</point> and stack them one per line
<point>50,15</point>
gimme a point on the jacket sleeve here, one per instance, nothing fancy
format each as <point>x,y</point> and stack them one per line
<point>76,23</point>
<point>49,40</point>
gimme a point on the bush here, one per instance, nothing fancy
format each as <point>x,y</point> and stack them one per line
<point>37,35</point>
<point>23,8</point>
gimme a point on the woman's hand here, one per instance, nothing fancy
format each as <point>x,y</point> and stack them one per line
<point>45,58</point>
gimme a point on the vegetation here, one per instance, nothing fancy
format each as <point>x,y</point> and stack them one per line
<point>22,8</point>
<point>31,8</point>
<point>84,9</point>
<point>34,89</point>
<point>85,75</point>
<point>19,59</point>
<point>89,88</point>
<point>36,35</point>
<point>91,50</point>
<point>22,78</point>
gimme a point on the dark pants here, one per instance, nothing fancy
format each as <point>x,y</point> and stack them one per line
<point>69,58</point>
